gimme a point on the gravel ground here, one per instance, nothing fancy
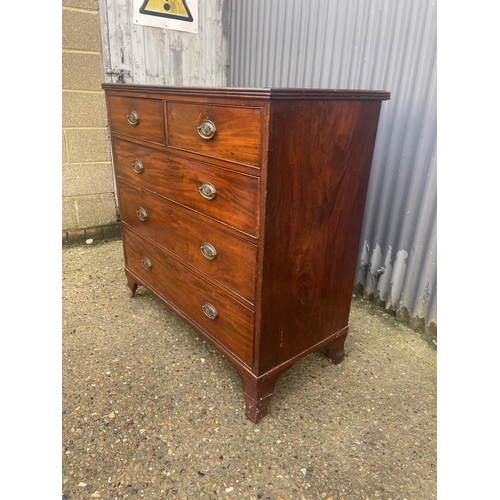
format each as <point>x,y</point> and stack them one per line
<point>150,410</point>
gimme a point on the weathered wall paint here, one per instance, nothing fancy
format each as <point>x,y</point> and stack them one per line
<point>150,55</point>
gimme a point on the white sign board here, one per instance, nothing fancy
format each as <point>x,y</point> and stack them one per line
<point>180,15</point>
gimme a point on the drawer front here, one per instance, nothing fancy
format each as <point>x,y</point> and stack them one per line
<point>237,135</point>
<point>229,260</point>
<point>138,118</point>
<point>225,319</point>
<point>236,195</point>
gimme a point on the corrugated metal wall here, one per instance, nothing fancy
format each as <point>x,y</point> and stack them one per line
<point>376,45</point>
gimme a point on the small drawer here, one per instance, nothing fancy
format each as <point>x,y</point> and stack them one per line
<point>213,311</point>
<point>223,132</point>
<point>229,260</point>
<point>191,183</point>
<point>137,118</point>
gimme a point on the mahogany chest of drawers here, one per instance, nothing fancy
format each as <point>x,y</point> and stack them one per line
<point>241,210</point>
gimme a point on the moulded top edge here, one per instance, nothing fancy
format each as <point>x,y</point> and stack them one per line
<point>329,94</point>
<point>250,92</point>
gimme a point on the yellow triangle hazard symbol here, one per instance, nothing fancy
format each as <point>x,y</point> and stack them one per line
<point>172,9</point>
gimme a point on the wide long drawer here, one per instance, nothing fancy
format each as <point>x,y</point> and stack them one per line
<point>229,260</point>
<point>224,132</point>
<point>227,196</point>
<point>209,308</point>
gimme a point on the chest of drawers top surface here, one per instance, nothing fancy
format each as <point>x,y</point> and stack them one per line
<point>241,210</point>
<point>247,92</point>
<point>237,113</point>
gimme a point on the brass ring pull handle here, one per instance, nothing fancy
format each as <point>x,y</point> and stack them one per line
<point>133,117</point>
<point>142,214</point>
<point>207,190</point>
<point>206,129</point>
<point>146,264</point>
<point>208,251</point>
<point>210,311</point>
<point>138,167</point>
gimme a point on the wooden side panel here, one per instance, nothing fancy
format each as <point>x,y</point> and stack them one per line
<point>317,178</point>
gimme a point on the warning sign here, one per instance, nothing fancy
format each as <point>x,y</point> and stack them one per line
<point>181,15</point>
<point>174,9</point>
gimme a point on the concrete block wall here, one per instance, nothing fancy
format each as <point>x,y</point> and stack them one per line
<point>88,199</point>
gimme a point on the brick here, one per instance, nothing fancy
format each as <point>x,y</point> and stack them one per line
<point>64,149</point>
<point>88,145</point>
<point>78,235</point>
<point>94,233</point>
<point>81,71</point>
<point>96,210</point>
<point>83,109</point>
<point>112,231</point>
<point>81,30</point>
<point>82,4</point>
<point>69,216</point>
<point>85,179</point>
